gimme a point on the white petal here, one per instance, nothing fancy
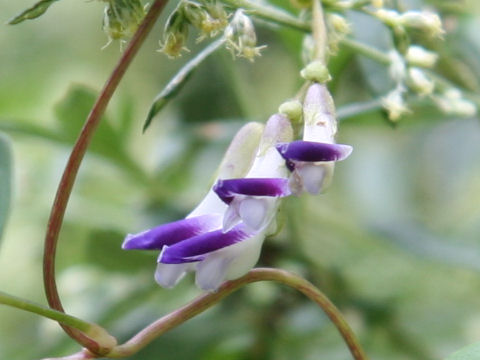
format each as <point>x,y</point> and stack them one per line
<point>313,176</point>
<point>231,217</point>
<point>168,275</point>
<point>211,204</point>
<point>211,272</point>
<point>229,263</point>
<point>247,253</point>
<point>254,212</point>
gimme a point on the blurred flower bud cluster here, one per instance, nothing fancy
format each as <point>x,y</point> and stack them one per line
<point>207,16</point>
<point>241,37</point>
<point>122,18</point>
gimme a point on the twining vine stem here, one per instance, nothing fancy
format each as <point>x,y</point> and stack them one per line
<point>66,183</point>
<point>207,300</point>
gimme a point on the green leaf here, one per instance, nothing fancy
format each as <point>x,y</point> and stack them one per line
<point>177,82</point>
<point>471,352</point>
<point>71,113</point>
<point>5,179</point>
<point>33,12</point>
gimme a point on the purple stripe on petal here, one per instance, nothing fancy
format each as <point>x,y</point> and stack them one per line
<point>171,233</point>
<point>196,248</point>
<point>274,187</point>
<point>311,151</point>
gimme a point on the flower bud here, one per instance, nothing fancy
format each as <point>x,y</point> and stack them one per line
<point>241,37</point>
<point>425,21</point>
<point>292,109</point>
<point>121,18</point>
<point>217,19</point>
<point>419,82</point>
<point>452,102</point>
<point>377,3</point>
<point>339,23</point>
<point>394,104</point>
<point>316,71</point>
<point>389,17</point>
<point>175,34</point>
<point>209,19</point>
<point>397,67</point>
<point>418,56</point>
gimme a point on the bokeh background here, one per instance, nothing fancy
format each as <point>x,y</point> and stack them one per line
<point>395,242</point>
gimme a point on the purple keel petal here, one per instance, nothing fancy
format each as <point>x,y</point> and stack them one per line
<point>171,233</point>
<point>274,187</point>
<point>311,151</point>
<point>196,248</point>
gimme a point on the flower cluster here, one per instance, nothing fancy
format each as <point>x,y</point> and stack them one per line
<point>122,18</point>
<point>222,237</point>
<point>207,16</point>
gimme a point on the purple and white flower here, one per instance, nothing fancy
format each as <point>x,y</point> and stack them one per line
<point>253,200</point>
<point>197,243</point>
<point>311,160</point>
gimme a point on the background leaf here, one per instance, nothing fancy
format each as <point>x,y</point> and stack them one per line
<point>5,180</point>
<point>471,352</point>
<point>33,12</point>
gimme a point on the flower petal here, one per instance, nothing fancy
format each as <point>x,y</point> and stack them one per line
<point>311,151</point>
<point>274,187</point>
<point>168,275</point>
<point>196,248</point>
<point>172,233</point>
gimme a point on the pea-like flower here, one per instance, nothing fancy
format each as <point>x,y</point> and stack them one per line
<point>197,243</point>
<point>311,160</point>
<point>253,200</point>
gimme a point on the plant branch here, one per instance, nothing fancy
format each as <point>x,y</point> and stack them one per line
<point>44,311</point>
<point>203,302</point>
<point>65,187</point>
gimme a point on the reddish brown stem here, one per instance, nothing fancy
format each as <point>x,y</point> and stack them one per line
<point>71,170</point>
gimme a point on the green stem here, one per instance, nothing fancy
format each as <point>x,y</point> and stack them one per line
<point>270,13</point>
<point>207,300</point>
<point>366,50</point>
<point>71,170</point>
<point>319,32</point>
<point>44,311</point>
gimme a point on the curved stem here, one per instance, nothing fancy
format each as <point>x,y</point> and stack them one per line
<point>71,169</point>
<point>205,301</point>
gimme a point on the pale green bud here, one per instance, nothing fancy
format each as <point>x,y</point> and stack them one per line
<point>241,37</point>
<point>394,104</point>
<point>425,21</point>
<point>316,71</point>
<point>389,17</point>
<point>175,34</point>
<point>419,56</point>
<point>397,68</point>
<point>122,18</point>
<point>452,102</point>
<point>292,109</point>
<point>419,82</point>
<point>209,17</point>
<point>339,23</point>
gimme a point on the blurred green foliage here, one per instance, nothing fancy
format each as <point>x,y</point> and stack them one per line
<point>394,243</point>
